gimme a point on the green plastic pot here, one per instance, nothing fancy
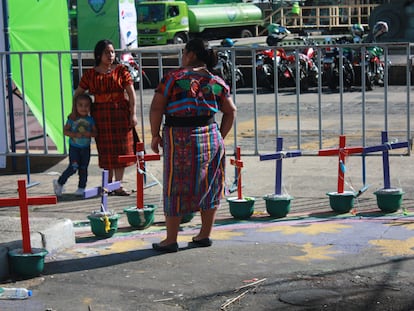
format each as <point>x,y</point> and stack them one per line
<point>241,208</point>
<point>278,206</point>
<point>341,202</point>
<point>187,218</point>
<point>27,265</point>
<point>389,200</point>
<point>140,218</point>
<point>99,225</point>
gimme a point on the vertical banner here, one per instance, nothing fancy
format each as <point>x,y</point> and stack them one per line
<point>3,122</point>
<point>42,26</point>
<point>128,24</point>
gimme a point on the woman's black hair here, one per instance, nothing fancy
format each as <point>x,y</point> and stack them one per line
<point>203,52</point>
<point>99,49</point>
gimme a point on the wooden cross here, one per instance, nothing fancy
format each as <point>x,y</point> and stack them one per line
<point>103,190</point>
<point>140,159</point>
<point>385,147</point>
<point>342,151</point>
<point>238,164</point>
<point>279,155</point>
<point>23,201</point>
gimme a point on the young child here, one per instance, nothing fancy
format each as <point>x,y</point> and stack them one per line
<point>79,132</point>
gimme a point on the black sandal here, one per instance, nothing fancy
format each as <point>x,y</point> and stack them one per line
<point>121,193</point>
<point>169,248</point>
<point>206,242</point>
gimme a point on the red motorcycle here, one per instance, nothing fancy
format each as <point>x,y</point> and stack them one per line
<point>286,69</point>
<point>309,55</point>
<point>127,59</point>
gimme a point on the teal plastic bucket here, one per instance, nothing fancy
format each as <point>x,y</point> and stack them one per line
<point>27,265</point>
<point>389,200</point>
<point>100,226</point>
<point>140,218</point>
<point>278,206</point>
<point>341,202</point>
<point>241,208</point>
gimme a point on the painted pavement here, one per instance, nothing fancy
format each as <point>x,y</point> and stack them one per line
<point>318,239</point>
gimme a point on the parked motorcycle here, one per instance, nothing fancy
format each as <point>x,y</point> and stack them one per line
<point>370,61</point>
<point>285,62</point>
<point>376,66</point>
<point>127,59</point>
<point>265,68</point>
<point>309,55</point>
<point>224,67</point>
<point>331,67</point>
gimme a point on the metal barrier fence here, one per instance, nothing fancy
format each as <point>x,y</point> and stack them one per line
<point>308,120</point>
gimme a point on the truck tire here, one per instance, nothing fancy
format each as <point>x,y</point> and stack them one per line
<point>246,33</point>
<point>180,38</point>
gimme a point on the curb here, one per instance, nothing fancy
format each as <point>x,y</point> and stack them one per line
<point>48,233</point>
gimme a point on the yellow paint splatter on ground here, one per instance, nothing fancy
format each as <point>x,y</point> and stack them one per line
<point>391,248</point>
<point>315,253</point>
<point>307,229</point>
<point>184,238</point>
<point>225,234</point>
<point>215,235</point>
<point>124,246</point>
<point>87,301</point>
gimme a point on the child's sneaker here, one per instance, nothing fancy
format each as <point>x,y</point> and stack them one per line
<point>57,188</point>
<point>80,192</point>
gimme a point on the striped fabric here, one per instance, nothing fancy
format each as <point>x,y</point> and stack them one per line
<point>194,166</point>
<point>111,113</point>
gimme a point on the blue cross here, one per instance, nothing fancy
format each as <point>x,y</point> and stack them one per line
<point>279,155</point>
<point>385,147</point>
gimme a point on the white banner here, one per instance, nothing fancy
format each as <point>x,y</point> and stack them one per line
<point>128,24</point>
<point>3,122</point>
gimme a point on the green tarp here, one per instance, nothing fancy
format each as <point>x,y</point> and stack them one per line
<point>42,26</point>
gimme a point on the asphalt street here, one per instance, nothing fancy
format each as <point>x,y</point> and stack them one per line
<point>312,259</point>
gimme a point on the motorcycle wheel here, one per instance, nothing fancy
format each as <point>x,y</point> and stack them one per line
<point>369,80</point>
<point>304,79</point>
<point>331,79</point>
<point>265,77</point>
<point>239,78</point>
<point>379,74</point>
<point>349,76</point>
<point>227,76</point>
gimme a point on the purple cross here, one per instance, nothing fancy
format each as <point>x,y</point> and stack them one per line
<point>385,147</point>
<point>279,155</point>
<point>103,190</point>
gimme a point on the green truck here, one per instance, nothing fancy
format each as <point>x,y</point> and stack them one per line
<point>166,22</point>
<point>161,22</point>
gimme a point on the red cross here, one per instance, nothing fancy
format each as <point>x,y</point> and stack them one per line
<point>342,151</point>
<point>239,164</point>
<point>23,201</point>
<point>140,159</point>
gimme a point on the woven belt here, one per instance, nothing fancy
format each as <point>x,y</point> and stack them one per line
<point>195,121</point>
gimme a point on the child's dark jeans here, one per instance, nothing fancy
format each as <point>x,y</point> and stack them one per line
<point>78,161</point>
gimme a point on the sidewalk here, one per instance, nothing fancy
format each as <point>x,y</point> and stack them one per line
<point>309,259</point>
